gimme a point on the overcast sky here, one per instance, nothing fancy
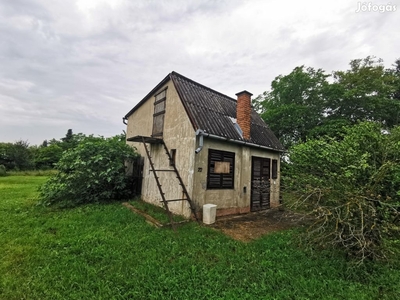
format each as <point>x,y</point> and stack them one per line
<point>83,64</point>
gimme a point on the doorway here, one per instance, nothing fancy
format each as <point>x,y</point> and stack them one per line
<point>260,183</point>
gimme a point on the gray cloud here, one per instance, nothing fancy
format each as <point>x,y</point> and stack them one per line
<point>83,64</point>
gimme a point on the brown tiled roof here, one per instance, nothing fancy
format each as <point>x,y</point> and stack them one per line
<point>212,111</point>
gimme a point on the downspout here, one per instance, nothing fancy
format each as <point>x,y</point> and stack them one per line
<point>200,133</point>
<point>124,120</point>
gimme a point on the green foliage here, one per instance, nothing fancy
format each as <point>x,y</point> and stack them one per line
<point>295,104</point>
<point>305,105</point>
<point>70,140</point>
<point>93,171</point>
<point>3,171</point>
<point>47,156</point>
<point>108,252</point>
<point>16,156</point>
<point>365,92</point>
<point>351,187</point>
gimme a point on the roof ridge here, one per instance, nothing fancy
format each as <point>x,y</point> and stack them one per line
<point>173,73</point>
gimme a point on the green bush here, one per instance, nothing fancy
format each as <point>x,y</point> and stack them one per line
<point>351,188</point>
<point>93,171</point>
<point>3,171</point>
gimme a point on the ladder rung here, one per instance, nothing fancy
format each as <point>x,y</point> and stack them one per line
<point>174,200</point>
<point>164,170</point>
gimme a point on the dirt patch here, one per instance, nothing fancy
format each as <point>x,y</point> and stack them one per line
<point>256,224</point>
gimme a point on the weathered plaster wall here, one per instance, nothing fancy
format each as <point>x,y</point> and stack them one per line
<point>178,134</point>
<point>231,201</point>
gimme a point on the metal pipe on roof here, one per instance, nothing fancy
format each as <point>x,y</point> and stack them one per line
<point>213,136</point>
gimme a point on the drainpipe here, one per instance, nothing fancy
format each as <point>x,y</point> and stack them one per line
<point>200,133</point>
<point>124,120</point>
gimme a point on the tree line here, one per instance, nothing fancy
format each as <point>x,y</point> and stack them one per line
<point>309,103</point>
<point>20,156</point>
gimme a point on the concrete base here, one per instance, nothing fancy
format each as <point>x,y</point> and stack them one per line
<point>209,213</point>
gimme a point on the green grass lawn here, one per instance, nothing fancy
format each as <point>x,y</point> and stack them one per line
<point>107,252</point>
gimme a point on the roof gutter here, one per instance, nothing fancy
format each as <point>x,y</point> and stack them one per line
<point>202,134</point>
<point>124,119</point>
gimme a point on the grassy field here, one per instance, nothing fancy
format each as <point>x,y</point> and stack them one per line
<point>107,252</point>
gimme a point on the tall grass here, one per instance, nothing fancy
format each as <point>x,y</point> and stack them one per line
<point>108,252</point>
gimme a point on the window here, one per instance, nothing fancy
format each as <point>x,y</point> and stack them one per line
<point>159,113</point>
<point>221,169</point>
<point>274,169</point>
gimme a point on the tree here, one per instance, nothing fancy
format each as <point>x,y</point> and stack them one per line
<point>305,105</point>
<point>351,188</point>
<point>295,104</point>
<point>68,137</point>
<point>47,156</point>
<point>71,140</point>
<point>93,171</point>
<point>365,92</point>
<point>16,156</point>
<point>396,95</point>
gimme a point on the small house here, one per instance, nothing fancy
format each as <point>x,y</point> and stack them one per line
<point>222,151</point>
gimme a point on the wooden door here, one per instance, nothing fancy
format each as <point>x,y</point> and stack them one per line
<point>260,183</point>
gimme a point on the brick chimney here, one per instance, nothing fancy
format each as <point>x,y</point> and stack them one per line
<point>243,112</point>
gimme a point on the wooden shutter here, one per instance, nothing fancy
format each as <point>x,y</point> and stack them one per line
<point>217,179</point>
<point>159,113</point>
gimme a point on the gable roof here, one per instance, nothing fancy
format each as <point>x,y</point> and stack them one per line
<point>212,112</point>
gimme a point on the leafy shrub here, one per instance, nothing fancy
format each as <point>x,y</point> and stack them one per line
<point>3,171</point>
<point>351,188</point>
<point>93,171</point>
<point>47,157</point>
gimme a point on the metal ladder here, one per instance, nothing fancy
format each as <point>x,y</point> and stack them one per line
<point>174,169</point>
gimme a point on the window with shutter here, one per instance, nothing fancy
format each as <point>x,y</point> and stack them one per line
<point>221,169</point>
